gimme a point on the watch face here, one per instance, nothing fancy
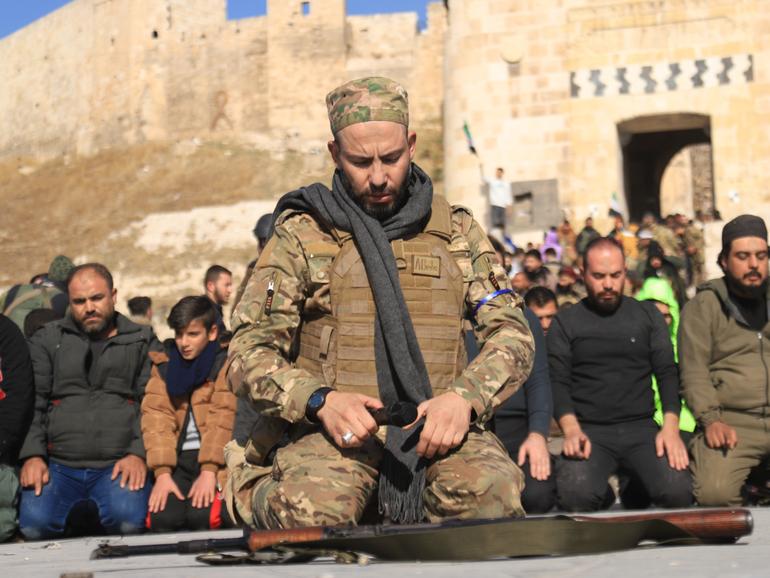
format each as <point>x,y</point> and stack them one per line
<point>316,400</point>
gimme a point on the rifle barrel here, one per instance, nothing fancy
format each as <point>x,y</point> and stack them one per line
<point>107,550</point>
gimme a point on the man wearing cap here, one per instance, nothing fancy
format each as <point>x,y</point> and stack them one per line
<point>724,356</point>
<point>358,301</point>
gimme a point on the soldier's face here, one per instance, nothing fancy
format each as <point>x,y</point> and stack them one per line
<point>374,158</point>
<point>746,265</point>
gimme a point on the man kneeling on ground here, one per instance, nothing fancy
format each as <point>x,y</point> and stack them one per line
<point>602,354</point>
<point>187,418</point>
<point>724,340</point>
<point>85,442</point>
<point>357,302</point>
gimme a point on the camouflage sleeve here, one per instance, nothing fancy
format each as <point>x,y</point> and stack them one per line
<point>265,323</point>
<point>507,346</point>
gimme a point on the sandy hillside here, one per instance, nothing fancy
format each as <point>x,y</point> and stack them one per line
<point>156,214</point>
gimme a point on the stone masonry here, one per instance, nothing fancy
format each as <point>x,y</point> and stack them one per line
<point>99,74</point>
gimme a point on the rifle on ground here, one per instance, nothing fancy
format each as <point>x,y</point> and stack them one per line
<point>465,540</point>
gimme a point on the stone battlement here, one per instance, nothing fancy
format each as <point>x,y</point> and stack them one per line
<point>98,74</point>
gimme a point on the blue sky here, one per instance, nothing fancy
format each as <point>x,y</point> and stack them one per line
<point>17,14</point>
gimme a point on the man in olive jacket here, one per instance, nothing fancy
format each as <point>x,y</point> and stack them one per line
<point>85,442</point>
<point>724,356</point>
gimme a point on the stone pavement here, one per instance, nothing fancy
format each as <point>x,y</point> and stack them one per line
<point>748,558</point>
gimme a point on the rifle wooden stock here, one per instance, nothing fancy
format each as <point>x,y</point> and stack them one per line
<point>259,539</point>
<point>704,524</point>
<point>711,525</point>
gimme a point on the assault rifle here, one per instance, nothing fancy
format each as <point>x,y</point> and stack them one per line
<point>465,540</point>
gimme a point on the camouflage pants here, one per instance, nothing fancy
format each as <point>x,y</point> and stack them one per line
<point>313,482</point>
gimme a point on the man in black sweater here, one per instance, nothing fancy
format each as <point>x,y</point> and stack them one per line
<point>602,353</point>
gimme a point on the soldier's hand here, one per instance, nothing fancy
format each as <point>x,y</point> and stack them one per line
<point>535,449</point>
<point>34,473</point>
<point>447,420</point>
<point>164,485</point>
<point>349,412</point>
<point>132,471</point>
<point>721,435</point>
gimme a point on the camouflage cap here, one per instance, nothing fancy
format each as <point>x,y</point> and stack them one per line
<point>59,268</point>
<point>367,99</point>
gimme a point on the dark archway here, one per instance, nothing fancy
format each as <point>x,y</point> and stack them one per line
<point>648,144</point>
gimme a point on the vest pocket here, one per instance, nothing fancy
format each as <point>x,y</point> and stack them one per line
<point>318,268</point>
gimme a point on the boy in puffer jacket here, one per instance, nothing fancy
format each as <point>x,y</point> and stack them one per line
<point>187,418</point>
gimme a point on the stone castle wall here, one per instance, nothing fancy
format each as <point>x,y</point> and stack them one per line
<point>544,86</point>
<point>98,74</point>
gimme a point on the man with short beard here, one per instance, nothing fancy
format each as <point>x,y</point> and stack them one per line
<point>539,275</point>
<point>357,302</point>
<point>602,353</point>
<point>218,282</point>
<point>724,355</point>
<point>85,442</point>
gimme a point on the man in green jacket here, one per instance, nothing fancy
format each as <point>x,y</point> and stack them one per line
<point>85,441</point>
<point>724,356</point>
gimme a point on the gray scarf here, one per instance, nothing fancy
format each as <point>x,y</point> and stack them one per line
<point>401,371</point>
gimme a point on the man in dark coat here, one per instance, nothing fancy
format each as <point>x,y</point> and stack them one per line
<point>85,442</point>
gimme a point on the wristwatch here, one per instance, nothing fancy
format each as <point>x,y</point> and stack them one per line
<point>315,402</point>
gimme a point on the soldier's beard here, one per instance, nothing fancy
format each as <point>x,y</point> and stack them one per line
<point>380,212</point>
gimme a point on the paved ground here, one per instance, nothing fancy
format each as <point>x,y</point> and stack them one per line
<point>749,557</point>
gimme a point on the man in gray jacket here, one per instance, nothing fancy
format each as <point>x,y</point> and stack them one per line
<point>85,442</point>
<point>724,357</point>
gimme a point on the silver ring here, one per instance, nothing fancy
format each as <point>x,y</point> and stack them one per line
<point>348,437</point>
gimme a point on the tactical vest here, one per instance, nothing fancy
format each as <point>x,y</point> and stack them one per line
<point>337,346</point>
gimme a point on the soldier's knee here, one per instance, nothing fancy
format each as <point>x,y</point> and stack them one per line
<point>278,505</point>
<point>491,495</point>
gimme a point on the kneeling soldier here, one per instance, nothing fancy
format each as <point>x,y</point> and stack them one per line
<point>358,301</point>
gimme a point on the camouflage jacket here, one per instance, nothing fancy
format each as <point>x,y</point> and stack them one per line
<point>267,319</point>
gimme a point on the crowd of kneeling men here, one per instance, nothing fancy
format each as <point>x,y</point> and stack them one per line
<point>676,407</point>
